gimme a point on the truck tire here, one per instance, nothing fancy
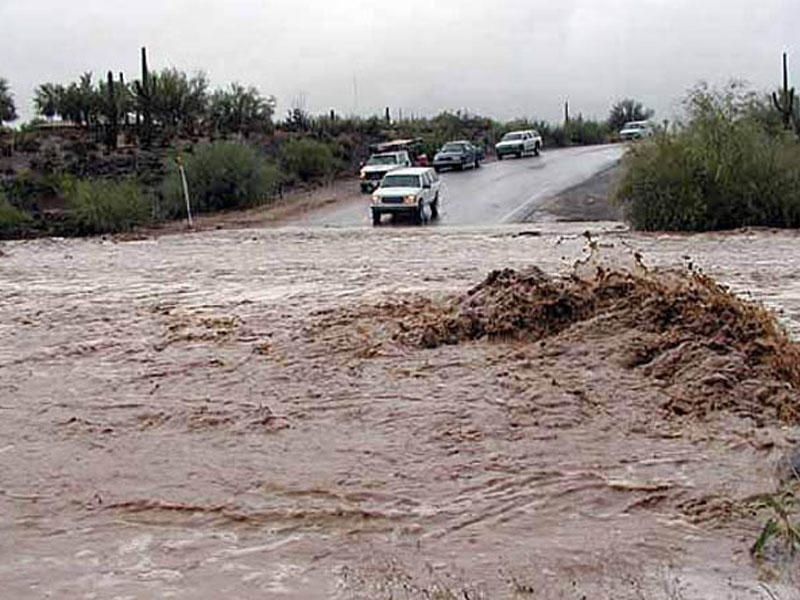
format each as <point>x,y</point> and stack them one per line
<point>536,149</point>
<point>499,156</point>
<point>376,217</point>
<point>419,215</point>
<point>477,163</point>
<point>435,208</point>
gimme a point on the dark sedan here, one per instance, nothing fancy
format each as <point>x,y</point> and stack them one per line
<point>457,155</point>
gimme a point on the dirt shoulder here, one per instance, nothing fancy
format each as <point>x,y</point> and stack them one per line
<point>290,206</point>
<point>588,201</point>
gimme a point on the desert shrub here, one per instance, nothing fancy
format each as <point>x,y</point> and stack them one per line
<point>306,159</point>
<point>12,219</point>
<point>221,175</point>
<point>106,206</point>
<point>722,170</point>
<point>28,188</point>
<point>582,131</point>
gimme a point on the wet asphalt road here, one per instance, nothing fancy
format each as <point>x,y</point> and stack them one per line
<point>498,192</point>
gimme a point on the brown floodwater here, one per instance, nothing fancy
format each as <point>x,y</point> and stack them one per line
<point>200,416</point>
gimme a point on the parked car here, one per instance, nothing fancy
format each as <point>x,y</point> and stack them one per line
<point>379,165</point>
<point>519,143</point>
<point>457,155</point>
<point>413,191</point>
<point>636,130</point>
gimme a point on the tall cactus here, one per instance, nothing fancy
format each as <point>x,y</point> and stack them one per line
<point>785,102</point>
<point>125,100</point>
<point>144,91</point>
<point>112,115</point>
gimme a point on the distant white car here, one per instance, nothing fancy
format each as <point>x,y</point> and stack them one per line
<point>519,143</point>
<point>413,191</point>
<point>636,130</point>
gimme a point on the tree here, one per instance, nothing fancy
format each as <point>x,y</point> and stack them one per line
<point>625,111</point>
<point>8,112</point>
<point>241,110</point>
<point>178,101</point>
<point>48,100</point>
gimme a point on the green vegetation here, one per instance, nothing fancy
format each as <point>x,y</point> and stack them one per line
<point>784,100</point>
<point>306,158</point>
<point>725,168</point>
<point>169,103</point>
<point>105,206</point>
<point>8,111</point>
<point>781,528</point>
<point>221,175</point>
<point>626,111</point>
<point>12,220</point>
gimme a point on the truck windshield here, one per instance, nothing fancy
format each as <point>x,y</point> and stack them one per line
<point>453,148</point>
<point>398,181</point>
<point>634,125</point>
<point>512,136</point>
<point>382,159</point>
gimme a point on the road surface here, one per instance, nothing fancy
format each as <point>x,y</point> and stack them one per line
<point>498,192</point>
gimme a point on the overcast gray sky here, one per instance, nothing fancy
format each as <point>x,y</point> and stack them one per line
<point>504,58</point>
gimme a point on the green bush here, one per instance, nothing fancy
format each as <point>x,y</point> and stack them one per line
<point>12,219</point>
<point>306,159</point>
<point>582,131</point>
<point>221,175</point>
<point>105,206</point>
<point>28,188</point>
<point>722,170</point>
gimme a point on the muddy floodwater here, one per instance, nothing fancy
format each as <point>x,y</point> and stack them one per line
<point>200,417</point>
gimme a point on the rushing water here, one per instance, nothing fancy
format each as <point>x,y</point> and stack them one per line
<point>173,425</point>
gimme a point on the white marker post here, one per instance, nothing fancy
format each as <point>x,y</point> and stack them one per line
<point>179,160</point>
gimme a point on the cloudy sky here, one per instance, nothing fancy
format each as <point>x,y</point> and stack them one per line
<point>504,58</point>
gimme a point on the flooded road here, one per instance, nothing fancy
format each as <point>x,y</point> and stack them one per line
<point>498,192</point>
<point>196,417</point>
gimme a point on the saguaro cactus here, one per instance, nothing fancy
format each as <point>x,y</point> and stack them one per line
<point>112,115</point>
<point>785,102</point>
<point>144,92</point>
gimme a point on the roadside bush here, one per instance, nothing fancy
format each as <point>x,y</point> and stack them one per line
<point>306,159</point>
<point>12,219</point>
<point>722,170</point>
<point>221,175</point>
<point>105,206</point>
<point>582,131</point>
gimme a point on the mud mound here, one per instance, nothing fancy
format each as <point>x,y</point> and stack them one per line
<point>711,348</point>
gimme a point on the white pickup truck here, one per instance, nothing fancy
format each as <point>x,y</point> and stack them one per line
<point>413,191</point>
<point>379,165</point>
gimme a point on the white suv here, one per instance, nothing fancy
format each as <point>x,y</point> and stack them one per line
<point>636,130</point>
<point>519,143</point>
<point>413,192</point>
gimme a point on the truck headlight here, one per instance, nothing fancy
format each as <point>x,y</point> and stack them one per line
<point>363,175</point>
<point>410,199</point>
<point>376,199</point>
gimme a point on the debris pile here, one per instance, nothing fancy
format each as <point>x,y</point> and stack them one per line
<point>710,348</point>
